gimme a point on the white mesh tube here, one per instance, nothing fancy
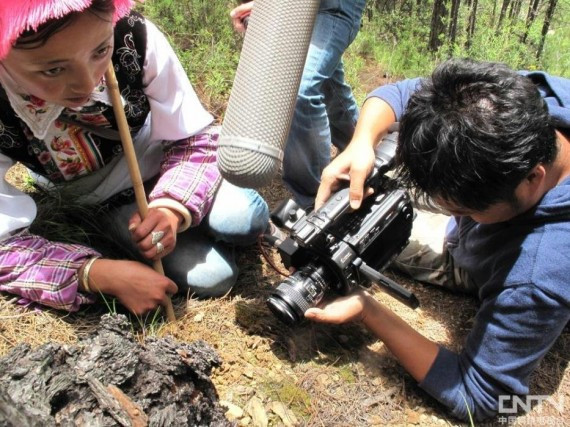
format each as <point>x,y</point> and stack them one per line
<point>264,92</point>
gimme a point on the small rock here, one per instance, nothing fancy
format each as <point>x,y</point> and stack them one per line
<point>233,412</point>
<point>243,389</point>
<point>248,372</point>
<point>323,379</point>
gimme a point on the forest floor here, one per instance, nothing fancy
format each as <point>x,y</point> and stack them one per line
<point>324,375</point>
<point>309,375</point>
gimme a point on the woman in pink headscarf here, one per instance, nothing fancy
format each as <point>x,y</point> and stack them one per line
<point>56,119</point>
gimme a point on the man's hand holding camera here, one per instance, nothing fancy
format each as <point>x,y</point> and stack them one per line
<point>350,308</point>
<point>355,163</point>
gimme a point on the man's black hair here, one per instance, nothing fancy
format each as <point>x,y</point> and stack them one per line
<point>471,133</point>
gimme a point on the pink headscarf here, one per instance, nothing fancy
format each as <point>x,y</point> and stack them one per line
<point>17,16</point>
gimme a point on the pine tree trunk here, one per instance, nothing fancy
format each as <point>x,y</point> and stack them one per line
<point>503,13</point>
<point>437,25</point>
<point>531,16</point>
<point>546,26</point>
<point>515,9</point>
<point>452,32</point>
<point>471,24</point>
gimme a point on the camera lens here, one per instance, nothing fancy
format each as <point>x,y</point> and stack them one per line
<point>299,292</point>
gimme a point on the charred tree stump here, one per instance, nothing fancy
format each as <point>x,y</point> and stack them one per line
<point>109,379</point>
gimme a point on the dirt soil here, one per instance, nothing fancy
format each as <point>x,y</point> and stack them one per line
<point>310,375</point>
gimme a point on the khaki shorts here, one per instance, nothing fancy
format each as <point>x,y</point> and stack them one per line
<point>426,257</point>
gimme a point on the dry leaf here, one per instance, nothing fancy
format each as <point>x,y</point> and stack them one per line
<point>286,415</point>
<point>255,408</point>
<point>413,416</point>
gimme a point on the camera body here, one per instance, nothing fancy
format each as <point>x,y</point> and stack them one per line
<point>339,249</point>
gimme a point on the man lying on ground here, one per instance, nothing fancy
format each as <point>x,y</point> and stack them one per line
<point>491,148</point>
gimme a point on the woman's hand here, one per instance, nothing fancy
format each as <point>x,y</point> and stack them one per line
<point>155,237</point>
<point>345,309</point>
<point>137,286</point>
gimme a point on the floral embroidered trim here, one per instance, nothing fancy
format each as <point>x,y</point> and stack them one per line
<point>38,114</point>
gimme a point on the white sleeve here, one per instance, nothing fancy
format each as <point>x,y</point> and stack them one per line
<point>176,111</point>
<point>17,209</point>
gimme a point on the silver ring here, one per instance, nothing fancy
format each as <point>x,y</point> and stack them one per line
<point>159,248</point>
<point>156,236</point>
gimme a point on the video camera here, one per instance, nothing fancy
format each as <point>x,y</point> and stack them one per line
<point>339,249</point>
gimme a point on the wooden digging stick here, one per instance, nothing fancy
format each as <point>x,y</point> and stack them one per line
<point>133,165</point>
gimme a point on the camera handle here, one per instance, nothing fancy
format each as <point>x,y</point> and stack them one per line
<point>395,290</point>
<point>339,202</point>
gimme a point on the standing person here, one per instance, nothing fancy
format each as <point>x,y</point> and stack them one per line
<point>490,147</point>
<point>57,120</point>
<point>326,111</point>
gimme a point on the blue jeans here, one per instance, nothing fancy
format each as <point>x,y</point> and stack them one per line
<point>203,262</point>
<point>326,112</point>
